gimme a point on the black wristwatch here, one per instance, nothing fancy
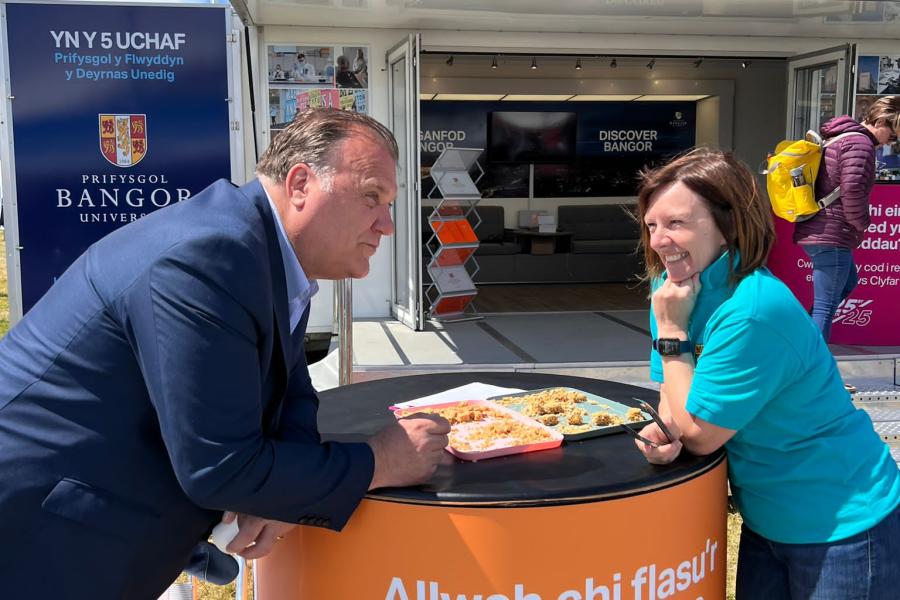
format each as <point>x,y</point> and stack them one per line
<point>672,346</point>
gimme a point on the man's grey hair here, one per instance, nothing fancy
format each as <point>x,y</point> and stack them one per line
<point>314,137</point>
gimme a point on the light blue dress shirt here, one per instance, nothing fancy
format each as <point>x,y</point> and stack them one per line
<point>300,290</point>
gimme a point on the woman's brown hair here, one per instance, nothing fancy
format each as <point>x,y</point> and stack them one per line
<point>886,109</point>
<point>731,194</point>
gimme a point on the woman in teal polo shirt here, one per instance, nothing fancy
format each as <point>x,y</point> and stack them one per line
<point>742,365</point>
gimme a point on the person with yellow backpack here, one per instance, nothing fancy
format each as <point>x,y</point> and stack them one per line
<point>847,170</point>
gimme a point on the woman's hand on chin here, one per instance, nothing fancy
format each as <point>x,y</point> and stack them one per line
<point>673,303</point>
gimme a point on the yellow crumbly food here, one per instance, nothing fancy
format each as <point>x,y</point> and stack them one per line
<point>515,433</point>
<point>476,427</point>
<point>634,415</point>
<point>554,401</point>
<point>461,413</point>
<point>605,418</point>
<point>544,407</point>
<point>575,416</point>
<point>572,429</point>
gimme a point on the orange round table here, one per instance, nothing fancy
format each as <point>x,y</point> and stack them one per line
<point>591,520</point>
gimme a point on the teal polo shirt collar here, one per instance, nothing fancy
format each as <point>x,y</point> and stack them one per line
<point>715,289</point>
<point>716,274</point>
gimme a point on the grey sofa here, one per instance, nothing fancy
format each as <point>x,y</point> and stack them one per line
<point>493,238</point>
<point>599,229</point>
<point>605,241</point>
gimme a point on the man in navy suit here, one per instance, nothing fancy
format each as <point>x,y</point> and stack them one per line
<point>162,379</point>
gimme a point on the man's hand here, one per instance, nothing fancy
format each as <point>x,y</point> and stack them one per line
<point>667,452</point>
<point>257,536</point>
<point>407,452</point>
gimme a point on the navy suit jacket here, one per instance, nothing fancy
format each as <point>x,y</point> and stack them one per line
<point>153,386</point>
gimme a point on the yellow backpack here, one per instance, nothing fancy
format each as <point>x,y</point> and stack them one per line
<point>791,176</point>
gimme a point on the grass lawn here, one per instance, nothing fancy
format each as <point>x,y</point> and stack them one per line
<point>206,591</point>
<point>734,538</point>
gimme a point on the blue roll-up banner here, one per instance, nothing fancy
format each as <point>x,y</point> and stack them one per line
<point>117,111</point>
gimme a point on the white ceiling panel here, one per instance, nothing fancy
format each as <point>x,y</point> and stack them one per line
<point>835,19</point>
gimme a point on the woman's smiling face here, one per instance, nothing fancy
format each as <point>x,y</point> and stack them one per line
<point>682,231</point>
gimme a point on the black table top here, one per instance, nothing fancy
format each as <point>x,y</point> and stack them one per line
<point>594,469</point>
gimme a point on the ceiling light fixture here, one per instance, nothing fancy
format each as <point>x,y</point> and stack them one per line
<point>578,64</point>
<point>494,62</point>
<point>698,62</point>
<point>745,64</point>
<point>450,61</point>
<point>536,97</point>
<point>603,98</point>
<point>533,62</point>
<point>482,97</point>
<point>671,97</point>
<point>651,63</point>
<point>613,64</point>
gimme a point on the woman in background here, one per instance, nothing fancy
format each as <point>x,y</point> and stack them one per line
<point>361,68</point>
<point>742,365</point>
<point>832,234</point>
<point>344,77</point>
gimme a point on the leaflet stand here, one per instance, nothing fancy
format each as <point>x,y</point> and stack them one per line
<point>453,242</point>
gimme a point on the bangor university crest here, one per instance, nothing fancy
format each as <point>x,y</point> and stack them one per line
<point>123,139</point>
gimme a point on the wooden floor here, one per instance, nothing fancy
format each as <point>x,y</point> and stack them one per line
<point>561,297</point>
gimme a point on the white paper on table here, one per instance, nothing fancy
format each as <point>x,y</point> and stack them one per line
<point>470,391</point>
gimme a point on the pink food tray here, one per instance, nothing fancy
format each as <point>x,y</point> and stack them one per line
<point>501,446</point>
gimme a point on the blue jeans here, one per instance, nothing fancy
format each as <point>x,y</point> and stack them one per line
<point>865,566</point>
<point>834,277</point>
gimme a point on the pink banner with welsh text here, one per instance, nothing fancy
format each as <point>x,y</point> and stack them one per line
<point>871,315</point>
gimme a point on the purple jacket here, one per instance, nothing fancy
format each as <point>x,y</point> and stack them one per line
<point>850,164</point>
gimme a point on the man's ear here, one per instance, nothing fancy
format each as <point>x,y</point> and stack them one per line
<point>297,184</point>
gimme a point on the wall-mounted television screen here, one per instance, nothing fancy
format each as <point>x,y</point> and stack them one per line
<point>531,137</point>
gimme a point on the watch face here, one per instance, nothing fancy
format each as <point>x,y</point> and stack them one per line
<point>669,347</point>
